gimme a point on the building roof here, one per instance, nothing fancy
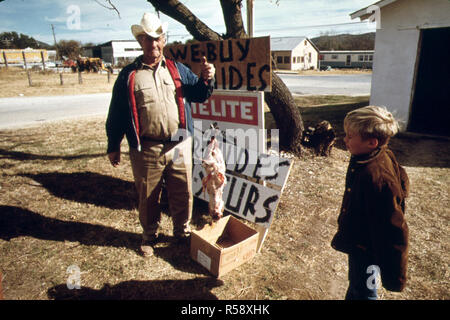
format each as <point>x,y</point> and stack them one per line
<point>111,41</point>
<point>366,12</point>
<point>288,43</point>
<point>285,43</point>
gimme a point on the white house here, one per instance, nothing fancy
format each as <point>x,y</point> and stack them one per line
<point>294,53</point>
<point>347,58</point>
<point>411,68</point>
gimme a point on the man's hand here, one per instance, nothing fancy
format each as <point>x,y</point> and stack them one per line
<point>208,70</point>
<point>114,158</point>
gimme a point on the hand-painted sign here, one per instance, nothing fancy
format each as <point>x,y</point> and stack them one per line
<point>241,64</point>
<point>245,195</point>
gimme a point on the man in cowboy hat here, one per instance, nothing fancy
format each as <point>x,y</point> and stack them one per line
<point>150,105</point>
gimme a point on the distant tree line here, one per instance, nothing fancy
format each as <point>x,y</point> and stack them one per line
<point>14,40</point>
<point>67,48</point>
<point>328,42</point>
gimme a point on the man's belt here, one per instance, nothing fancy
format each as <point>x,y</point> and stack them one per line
<point>148,139</point>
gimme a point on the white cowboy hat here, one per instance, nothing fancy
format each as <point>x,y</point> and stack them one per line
<point>151,25</point>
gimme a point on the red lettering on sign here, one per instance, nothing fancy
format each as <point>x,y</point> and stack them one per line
<point>234,109</point>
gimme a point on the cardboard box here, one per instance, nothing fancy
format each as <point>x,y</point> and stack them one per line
<point>224,245</point>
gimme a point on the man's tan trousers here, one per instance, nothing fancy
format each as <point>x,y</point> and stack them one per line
<point>171,162</point>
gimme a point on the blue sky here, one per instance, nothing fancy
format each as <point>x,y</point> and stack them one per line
<point>87,21</point>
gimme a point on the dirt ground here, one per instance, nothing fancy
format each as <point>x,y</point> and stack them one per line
<point>14,83</point>
<point>62,205</point>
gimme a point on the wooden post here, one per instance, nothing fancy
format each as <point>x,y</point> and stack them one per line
<point>80,79</point>
<point>61,78</point>
<point>43,60</point>
<point>250,18</point>
<point>262,233</point>
<point>6,60</point>
<point>109,76</point>
<point>29,78</point>
<point>26,69</point>
<point>24,59</point>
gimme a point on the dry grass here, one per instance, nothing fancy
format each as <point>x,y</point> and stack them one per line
<point>62,204</point>
<point>14,82</point>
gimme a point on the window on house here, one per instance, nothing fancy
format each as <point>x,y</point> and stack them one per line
<point>371,57</point>
<point>361,58</point>
<point>303,59</point>
<point>287,59</point>
<point>366,58</point>
<point>279,59</point>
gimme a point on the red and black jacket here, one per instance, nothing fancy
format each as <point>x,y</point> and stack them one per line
<point>123,116</point>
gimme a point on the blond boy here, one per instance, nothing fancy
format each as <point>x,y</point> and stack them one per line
<point>371,226</point>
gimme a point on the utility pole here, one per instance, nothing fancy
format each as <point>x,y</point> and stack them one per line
<point>250,18</point>
<point>54,39</point>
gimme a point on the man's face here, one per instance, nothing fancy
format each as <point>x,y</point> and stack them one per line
<point>152,47</point>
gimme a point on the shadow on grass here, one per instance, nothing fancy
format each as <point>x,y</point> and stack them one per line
<point>18,155</point>
<point>89,187</point>
<point>16,222</point>
<point>193,289</point>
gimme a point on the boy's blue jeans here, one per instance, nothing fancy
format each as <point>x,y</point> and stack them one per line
<point>359,287</point>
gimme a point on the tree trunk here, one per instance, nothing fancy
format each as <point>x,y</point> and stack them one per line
<point>233,19</point>
<point>280,100</point>
<point>286,114</point>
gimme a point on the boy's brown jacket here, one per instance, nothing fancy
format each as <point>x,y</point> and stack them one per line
<point>372,215</point>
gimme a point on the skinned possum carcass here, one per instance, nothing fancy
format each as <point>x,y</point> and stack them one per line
<point>215,179</point>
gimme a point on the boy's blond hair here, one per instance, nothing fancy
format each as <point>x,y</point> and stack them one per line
<point>372,122</point>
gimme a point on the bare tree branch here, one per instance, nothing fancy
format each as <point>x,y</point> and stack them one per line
<point>179,12</point>
<point>110,7</point>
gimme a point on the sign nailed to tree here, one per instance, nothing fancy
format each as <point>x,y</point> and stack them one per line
<point>241,64</point>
